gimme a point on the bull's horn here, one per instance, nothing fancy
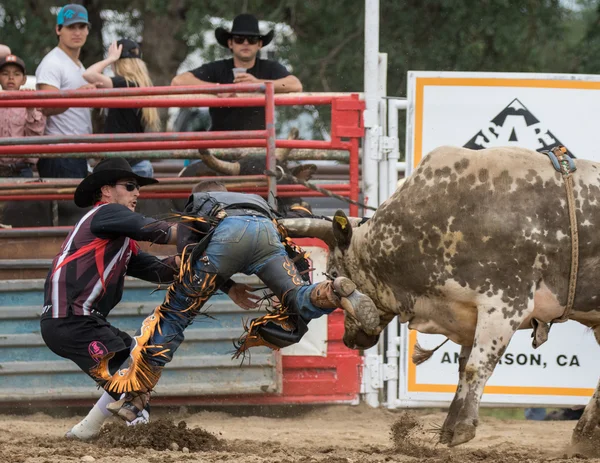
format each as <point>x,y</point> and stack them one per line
<point>222,167</point>
<point>310,228</point>
<point>282,153</point>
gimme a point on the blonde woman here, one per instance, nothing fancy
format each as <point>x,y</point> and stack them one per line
<point>125,56</point>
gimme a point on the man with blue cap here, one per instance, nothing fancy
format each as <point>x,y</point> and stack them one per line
<point>61,70</point>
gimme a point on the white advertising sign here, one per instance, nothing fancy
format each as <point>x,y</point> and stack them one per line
<point>563,371</point>
<point>479,110</point>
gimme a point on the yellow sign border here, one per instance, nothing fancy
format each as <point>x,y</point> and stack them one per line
<point>413,386</point>
<point>422,82</point>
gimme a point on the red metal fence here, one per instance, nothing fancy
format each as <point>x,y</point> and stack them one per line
<point>346,130</point>
<point>306,379</point>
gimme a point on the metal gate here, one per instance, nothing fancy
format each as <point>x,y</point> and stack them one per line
<point>203,365</point>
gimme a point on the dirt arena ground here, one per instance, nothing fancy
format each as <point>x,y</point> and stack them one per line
<point>329,434</point>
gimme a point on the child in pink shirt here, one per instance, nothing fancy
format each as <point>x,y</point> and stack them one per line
<point>17,122</point>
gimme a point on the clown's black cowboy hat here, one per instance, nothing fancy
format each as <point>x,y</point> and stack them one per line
<point>243,24</point>
<point>107,172</point>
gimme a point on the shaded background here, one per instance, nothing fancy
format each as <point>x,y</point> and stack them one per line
<point>323,42</point>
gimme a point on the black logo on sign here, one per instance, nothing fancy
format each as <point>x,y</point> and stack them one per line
<point>514,125</point>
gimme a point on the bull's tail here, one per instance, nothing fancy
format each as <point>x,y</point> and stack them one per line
<point>421,355</point>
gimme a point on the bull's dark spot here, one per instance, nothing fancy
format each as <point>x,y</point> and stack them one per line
<point>396,241</point>
<point>444,172</point>
<point>510,314</point>
<point>503,182</point>
<point>483,175</point>
<point>530,175</point>
<point>428,173</point>
<point>461,165</point>
<point>469,376</point>
<point>491,310</point>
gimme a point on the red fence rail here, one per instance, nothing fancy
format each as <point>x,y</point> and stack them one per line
<point>346,130</point>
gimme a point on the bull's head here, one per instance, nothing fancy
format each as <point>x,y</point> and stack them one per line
<point>337,234</point>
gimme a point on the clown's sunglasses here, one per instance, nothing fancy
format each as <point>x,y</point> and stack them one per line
<point>129,186</point>
<point>240,39</point>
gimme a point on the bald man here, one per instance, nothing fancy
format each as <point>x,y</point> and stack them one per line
<point>4,51</point>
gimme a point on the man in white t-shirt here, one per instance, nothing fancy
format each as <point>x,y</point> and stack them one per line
<point>61,70</point>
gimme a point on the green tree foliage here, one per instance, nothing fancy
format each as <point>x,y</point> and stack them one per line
<point>326,47</point>
<point>586,53</point>
<point>24,27</point>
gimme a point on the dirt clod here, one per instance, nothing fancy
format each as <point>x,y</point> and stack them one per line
<point>332,434</point>
<point>159,435</point>
<point>409,439</point>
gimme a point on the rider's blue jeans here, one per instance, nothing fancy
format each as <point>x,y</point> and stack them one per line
<point>240,244</point>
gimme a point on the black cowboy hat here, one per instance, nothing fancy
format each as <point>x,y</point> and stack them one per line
<point>243,24</point>
<point>107,172</point>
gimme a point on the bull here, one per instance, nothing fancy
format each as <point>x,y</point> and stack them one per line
<point>474,246</point>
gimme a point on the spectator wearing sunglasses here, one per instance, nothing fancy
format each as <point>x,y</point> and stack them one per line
<point>244,40</point>
<point>87,276</point>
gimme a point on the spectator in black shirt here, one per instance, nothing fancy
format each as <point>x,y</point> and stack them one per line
<point>125,56</point>
<point>244,40</point>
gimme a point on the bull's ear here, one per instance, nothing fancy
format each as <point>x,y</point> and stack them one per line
<point>342,229</point>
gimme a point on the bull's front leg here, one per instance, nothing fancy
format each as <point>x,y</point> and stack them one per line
<point>589,423</point>
<point>447,431</point>
<point>496,324</point>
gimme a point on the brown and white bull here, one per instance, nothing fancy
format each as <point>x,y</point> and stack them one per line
<point>473,246</point>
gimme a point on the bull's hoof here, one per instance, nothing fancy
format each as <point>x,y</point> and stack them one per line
<point>585,431</point>
<point>463,433</point>
<point>585,443</point>
<point>446,436</point>
<point>360,340</point>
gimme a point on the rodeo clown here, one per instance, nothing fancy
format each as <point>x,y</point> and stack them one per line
<point>222,233</point>
<point>87,276</point>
